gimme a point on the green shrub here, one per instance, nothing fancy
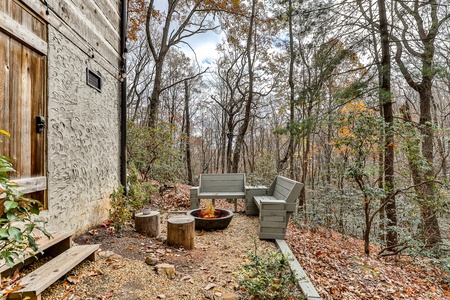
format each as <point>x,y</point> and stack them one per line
<point>123,208</point>
<point>138,190</point>
<point>268,277</point>
<point>154,152</point>
<point>119,214</point>
<point>264,169</point>
<point>17,216</point>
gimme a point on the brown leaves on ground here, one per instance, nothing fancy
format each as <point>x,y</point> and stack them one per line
<point>175,198</point>
<point>339,269</point>
<point>10,284</point>
<point>121,272</point>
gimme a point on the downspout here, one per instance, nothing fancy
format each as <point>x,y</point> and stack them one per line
<point>123,102</point>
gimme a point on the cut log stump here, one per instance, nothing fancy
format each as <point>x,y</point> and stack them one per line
<point>148,224</point>
<point>181,231</point>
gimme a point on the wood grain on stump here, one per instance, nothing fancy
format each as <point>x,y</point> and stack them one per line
<point>147,224</point>
<point>181,231</point>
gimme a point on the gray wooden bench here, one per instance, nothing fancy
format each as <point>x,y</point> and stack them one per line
<point>218,186</point>
<point>277,206</point>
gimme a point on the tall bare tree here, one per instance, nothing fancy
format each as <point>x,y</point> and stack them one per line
<point>181,20</point>
<point>187,117</point>
<point>419,31</point>
<point>251,54</point>
<point>387,112</point>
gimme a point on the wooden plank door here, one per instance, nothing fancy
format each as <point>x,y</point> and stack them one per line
<point>23,94</point>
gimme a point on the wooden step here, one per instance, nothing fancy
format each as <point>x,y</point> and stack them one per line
<point>40,279</point>
<point>53,246</point>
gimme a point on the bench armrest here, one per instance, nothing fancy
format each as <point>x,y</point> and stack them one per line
<point>194,191</point>
<point>256,190</point>
<point>263,201</point>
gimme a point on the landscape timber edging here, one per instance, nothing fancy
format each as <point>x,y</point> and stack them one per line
<point>303,281</point>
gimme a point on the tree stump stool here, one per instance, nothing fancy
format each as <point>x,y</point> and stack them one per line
<point>147,224</point>
<point>181,231</point>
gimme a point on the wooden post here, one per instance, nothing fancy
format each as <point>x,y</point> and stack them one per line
<point>181,231</point>
<point>147,224</point>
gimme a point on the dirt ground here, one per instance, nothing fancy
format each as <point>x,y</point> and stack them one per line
<point>206,272</point>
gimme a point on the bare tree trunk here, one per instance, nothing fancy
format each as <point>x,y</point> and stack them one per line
<point>422,177</point>
<point>305,164</point>
<point>223,145</point>
<point>230,135</point>
<point>290,150</point>
<point>251,151</point>
<point>152,110</point>
<point>188,133</point>
<point>440,142</point>
<point>248,105</point>
<point>192,20</point>
<point>328,147</point>
<point>430,226</point>
<point>385,100</point>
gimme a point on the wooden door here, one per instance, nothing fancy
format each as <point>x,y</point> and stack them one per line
<point>23,74</point>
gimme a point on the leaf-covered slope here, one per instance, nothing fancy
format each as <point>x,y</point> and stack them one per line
<point>339,269</point>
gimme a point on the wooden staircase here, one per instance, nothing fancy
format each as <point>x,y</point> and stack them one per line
<point>65,259</point>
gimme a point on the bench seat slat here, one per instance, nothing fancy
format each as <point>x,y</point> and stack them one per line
<point>219,177</point>
<point>263,200</point>
<point>271,213</point>
<point>222,185</point>
<point>221,195</point>
<point>272,224</point>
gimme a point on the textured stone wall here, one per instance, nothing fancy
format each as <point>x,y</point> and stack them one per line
<point>83,138</point>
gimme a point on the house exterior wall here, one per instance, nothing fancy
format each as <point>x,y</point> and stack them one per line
<point>83,132</point>
<point>82,137</point>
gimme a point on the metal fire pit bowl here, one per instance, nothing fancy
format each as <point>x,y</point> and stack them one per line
<point>218,223</point>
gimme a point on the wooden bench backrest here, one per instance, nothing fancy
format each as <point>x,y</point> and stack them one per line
<point>230,182</point>
<point>285,189</point>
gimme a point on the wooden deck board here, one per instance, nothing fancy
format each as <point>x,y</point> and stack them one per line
<point>58,243</point>
<point>303,281</point>
<point>38,280</point>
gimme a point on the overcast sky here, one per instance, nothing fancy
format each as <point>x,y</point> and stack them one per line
<point>204,44</point>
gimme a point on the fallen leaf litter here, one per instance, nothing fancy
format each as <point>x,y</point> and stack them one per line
<point>121,271</point>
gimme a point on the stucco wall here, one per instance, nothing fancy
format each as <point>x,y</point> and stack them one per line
<point>83,138</point>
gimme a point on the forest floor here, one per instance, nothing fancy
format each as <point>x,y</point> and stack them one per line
<point>335,263</point>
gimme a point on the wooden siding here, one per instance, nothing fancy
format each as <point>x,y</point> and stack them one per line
<point>23,40</point>
<point>25,17</point>
<point>22,90</point>
<point>92,25</point>
<point>23,33</point>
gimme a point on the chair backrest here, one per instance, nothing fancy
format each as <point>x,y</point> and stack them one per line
<point>286,189</point>
<point>229,182</point>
